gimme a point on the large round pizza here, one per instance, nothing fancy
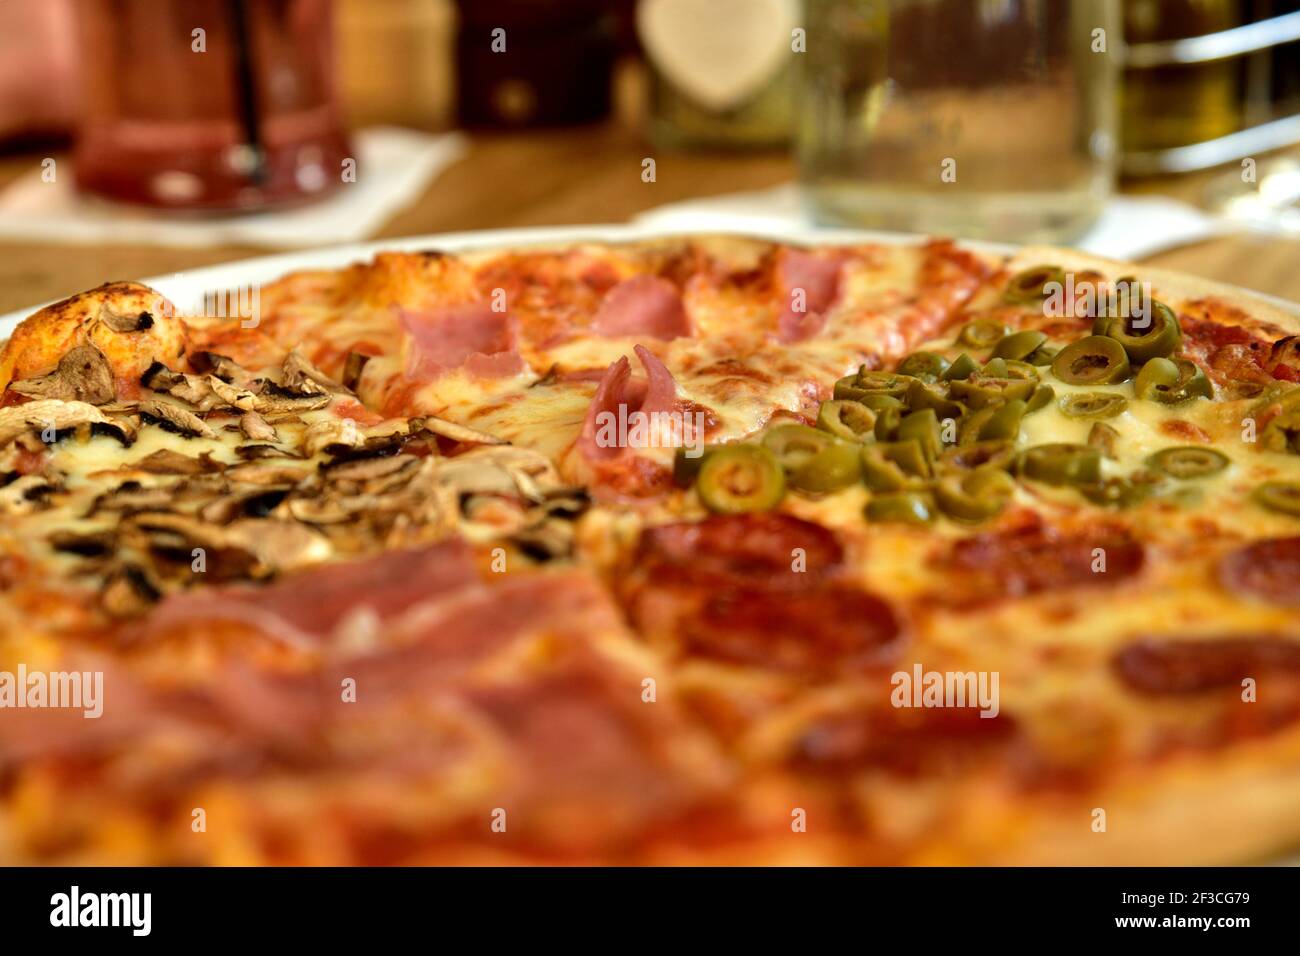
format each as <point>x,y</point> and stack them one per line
<point>689,550</point>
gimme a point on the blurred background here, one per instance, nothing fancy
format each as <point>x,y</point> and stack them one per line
<point>144,137</point>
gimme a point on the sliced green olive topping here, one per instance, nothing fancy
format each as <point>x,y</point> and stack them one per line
<point>1093,405</point>
<point>1030,285</point>
<point>981,333</point>
<point>963,366</point>
<point>1092,360</point>
<point>1043,355</point>
<point>927,366</point>
<point>1001,454</point>
<point>794,446</point>
<point>1121,492</point>
<point>923,427</point>
<point>975,495</point>
<point>1172,381</point>
<point>736,479</point>
<point>1280,496</point>
<point>1041,397</point>
<point>686,468</point>
<point>1282,434</point>
<point>1062,464</point>
<point>932,396</point>
<point>1189,461</point>
<point>1019,345</point>
<point>906,507</point>
<point>834,467</point>
<point>981,392</point>
<point>849,420</point>
<point>893,466</point>
<point>1103,436</point>
<point>1147,336</point>
<point>1003,421</point>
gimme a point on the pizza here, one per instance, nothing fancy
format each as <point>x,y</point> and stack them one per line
<point>693,550</point>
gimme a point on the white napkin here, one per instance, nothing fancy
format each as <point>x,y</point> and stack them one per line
<point>393,167</point>
<point>1130,226</point>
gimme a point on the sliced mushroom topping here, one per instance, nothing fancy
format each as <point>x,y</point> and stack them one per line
<point>82,375</point>
<point>341,434</point>
<point>440,426</point>
<point>233,395</point>
<point>53,415</point>
<point>266,473</point>
<point>125,321</point>
<point>192,389</point>
<point>215,364</point>
<point>256,428</point>
<point>167,462</point>
<point>128,592</point>
<point>261,452</point>
<point>302,378</point>
<point>250,503</point>
<point>131,497</point>
<point>26,494</point>
<point>87,544</point>
<point>369,469</point>
<point>176,419</point>
<point>273,546</point>
<point>502,470</point>
<point>355,365</point>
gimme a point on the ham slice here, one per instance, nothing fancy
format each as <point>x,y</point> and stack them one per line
<point>819,280</point>
<point>620,394</point>
<point>644,306</point>
<point>470,336</point>
<point>300,609</point>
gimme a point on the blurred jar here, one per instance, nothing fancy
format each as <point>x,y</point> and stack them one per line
<point>721,73</point>
<point>208,104</point>
<point>987,119</point>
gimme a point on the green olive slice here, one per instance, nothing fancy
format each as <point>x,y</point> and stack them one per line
<point>849,420</point>
<point>1004,422</point>
<point>981,333</point>
<point>736,479</point>
<point>1092,405</point>
<point>794,445</point>
<point>1062,464</point>
<point>1029,286</point>
<point>1019,345</point>
<point>1001,454</point>
<point>1092,360</point>
<point>1119,492</point>
<point>1043,355</point>
<point>1103,436</point>
<point>1172,381</point>
<point>1280,496</point>
<point>981,392</point>
<point>963,366</point>
<point>686,469</point>
<point>975,495</point>
<point>923,427</point>
<point>904,507</point>
<point>1147,336</point>
<point>1188,461</point>
<point>921,395</point>
<point>892,466</point>
<point>927,366</point>
<point>834,467</point>
<point>1041,397</point>
<point>1282,434</point>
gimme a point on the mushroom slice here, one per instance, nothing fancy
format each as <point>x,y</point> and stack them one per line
<point>82,375</point>
<point>440,426</point>
<point>260,452</point>
<point>256,428</point>
<point>192,389</point>
<point>302,378</point>
<point>233,395</point>
<point>265,473</point>
<point>125,321</point>
<point>342,434</point>
<point>25,495</point>
<point>218,366</point>
<point>87,544</point>
<point>272,546</point>
<point>131,497</point>
<point>352,369</point>
<point>251,503</point>
<point>369,469</point>
<point>127,592</point>
<point>176,419</point>
<point>55,415</point>
<point>167,462</point>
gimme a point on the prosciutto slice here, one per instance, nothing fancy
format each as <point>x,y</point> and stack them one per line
<point>620,394</point>
<point>644,306</point>
<point>470,336</point>
<point>818,279</point>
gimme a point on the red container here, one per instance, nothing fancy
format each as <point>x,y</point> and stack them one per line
<point>209,104</point>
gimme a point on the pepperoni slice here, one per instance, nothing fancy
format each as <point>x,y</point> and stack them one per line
<point>756,550</point>
<point>905,741</point>
<point>1037,558</point>
<point>1154,666</point>
<point>1268,569</point>
<point>815,633</point>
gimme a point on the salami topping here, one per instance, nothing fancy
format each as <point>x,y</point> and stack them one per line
<point>1039,558</point>
<point>1268,569</point>
<point>1154,666</point>
<point>757,550</point>
<point>812,633</point>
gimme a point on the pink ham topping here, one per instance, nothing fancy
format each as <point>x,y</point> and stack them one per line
<point>470,336</point>
<point>819,281</point>
<point>657,392</point>
<point>646,306</point>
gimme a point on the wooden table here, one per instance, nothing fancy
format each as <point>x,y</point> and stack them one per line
<point>588,175</point>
